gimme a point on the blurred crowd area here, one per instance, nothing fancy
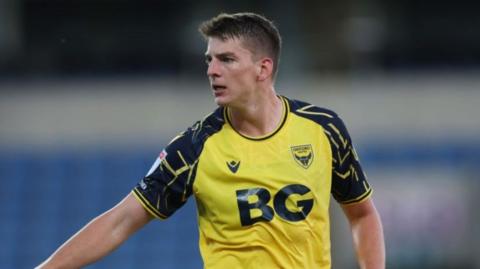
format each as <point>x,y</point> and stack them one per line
<point>125,37</point>
<point>92,90</point>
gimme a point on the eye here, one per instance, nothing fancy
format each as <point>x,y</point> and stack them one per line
<point>208,59</point>
<point>227,59</point>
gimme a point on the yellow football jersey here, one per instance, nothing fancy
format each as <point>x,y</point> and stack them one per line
<point>262,202</point>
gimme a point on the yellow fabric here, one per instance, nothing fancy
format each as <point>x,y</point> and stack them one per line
<point>269,164</point>
<point>262,202</point>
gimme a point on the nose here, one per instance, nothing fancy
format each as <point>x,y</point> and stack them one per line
<point>213,69</point>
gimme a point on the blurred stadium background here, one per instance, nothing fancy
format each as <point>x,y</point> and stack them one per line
<point>91,91</point>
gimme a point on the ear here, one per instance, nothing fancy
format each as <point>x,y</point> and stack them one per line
<point>265,69</point>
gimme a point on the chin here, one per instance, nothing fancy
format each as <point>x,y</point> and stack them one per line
<point>221,101</point>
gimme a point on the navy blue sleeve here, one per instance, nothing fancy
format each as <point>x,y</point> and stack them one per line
<point>349,184</point>
<point>168,184</point>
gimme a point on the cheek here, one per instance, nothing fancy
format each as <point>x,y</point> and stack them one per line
<point>246,76</point>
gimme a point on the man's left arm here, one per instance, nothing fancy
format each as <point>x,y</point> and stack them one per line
<point>367,233</point>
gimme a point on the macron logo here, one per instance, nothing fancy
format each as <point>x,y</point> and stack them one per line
<point>233,166</point>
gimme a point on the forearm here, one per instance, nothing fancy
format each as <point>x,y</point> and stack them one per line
<point>369,242</point>
<point>95,240</point>
<point>99,237</point>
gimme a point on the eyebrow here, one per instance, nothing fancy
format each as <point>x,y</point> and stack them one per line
<point>223,54</point>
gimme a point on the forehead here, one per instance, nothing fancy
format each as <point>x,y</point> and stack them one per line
<point>229,45</point>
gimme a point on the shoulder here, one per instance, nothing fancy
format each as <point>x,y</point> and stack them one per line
<point>195,135</point>
<point>312,112</point>
<point>330,121</point>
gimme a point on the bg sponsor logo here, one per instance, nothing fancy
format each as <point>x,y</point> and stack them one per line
<point>249,200</point>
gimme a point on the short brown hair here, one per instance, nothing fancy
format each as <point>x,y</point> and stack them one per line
<point>258,33</point>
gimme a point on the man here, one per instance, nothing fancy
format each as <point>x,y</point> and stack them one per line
<point>261,168</point>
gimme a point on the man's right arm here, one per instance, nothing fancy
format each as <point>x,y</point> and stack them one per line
<point>101,236</point>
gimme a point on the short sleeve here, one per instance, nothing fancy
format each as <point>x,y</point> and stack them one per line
<point>168,184</point>
<point>349,183</point>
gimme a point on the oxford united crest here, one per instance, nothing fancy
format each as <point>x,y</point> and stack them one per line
<point>303,155</point>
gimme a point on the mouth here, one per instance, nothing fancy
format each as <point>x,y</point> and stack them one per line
<point>218,90</point>
<point>217,87</point>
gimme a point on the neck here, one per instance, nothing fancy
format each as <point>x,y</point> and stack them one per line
<point>258,116</point>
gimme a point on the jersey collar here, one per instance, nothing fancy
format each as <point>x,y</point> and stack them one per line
<point>286,110</point>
